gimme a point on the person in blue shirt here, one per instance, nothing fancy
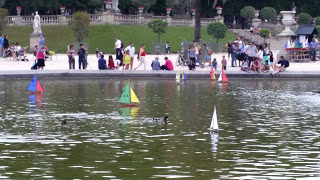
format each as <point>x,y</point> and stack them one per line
<point>1,45</point>
<point>313,47</point>
<point>42,41</point>
<point>82,57</point>
<point>102,63</point>
<point>155,64</point>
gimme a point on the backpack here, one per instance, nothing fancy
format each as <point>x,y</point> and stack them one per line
<point>209,51</point>
<point>287,63</point>
<point>230,49</point>
<point>200,51</point>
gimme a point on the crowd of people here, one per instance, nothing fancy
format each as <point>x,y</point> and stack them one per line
<point>14,50</point>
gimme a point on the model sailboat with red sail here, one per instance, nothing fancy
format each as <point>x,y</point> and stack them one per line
<point>35,86</point>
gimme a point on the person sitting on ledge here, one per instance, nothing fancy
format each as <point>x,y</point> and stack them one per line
<point>284,64</point>
<point>168,65</point>
<point>245,65</point>
<point>111,63</point>
<point>102,63</point>
<point>156,64</point>
<point>256,65</point>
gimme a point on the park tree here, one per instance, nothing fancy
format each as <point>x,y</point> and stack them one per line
<point>197,28</point>
<point>304,18</point>
<point>268,13</point>
<point>80,25</point>
<point>158,26</point>
<point>3,14</point>
<point>264,33</point>
<point>218,30</point>
<point>247,12</point>
<point>318,20</point>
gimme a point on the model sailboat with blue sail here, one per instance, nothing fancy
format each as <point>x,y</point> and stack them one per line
<point>35,86</point>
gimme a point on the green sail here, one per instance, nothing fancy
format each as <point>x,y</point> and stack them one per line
<point>125,97</point>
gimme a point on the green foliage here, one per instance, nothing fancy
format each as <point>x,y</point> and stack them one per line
<point>80,25</point>
<point>264,33</point>
<point>318,20</point>
<point>247,12</point>
<point>159,8</point>
<point>318,28</point>
<point>217,30</point>
<point>102,36</point>
<point>3,14</point>
<point>304,18</point>
<point>158,26</point>
<point>268,13</point>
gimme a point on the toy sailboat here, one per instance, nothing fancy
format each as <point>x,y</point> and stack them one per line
<point>214,122</point>
<point>213,76</point>
<point>184,76</point>
<point>178,78</point>
<point>223,78</point>
<point>128,96</point>
<point>35,86</point>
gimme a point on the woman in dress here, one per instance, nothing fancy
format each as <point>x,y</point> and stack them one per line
<point>41,55</point>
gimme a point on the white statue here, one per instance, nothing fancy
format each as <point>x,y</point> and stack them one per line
<point>115,4</point>
<point>37,24</point>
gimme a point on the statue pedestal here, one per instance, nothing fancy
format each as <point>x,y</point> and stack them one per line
<point>34,40</point>
<point>256,22</point>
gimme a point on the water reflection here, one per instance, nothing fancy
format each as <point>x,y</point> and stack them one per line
<point>270,130</point>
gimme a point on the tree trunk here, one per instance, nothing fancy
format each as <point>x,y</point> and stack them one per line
<point>158,38</point>
<point>217,40</point>
<point>197,29</point>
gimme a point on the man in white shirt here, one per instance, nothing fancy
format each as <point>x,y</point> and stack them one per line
<point>132,52</point>
<point>117,47</point>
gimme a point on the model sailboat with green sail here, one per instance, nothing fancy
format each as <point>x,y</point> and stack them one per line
<point>128,97</point>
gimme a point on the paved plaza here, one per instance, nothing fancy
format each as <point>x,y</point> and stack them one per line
<point>60,62</point>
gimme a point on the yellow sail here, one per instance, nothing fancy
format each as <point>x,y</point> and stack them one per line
<point>134,98</point>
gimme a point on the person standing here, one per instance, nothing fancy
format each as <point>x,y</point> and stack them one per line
<point>117,47</point>
<point>251,52</point>
<point>5,44</point>
<point>208,53</point>
<point>192,58</point>
<point>1,45</point>
<point>229,49</point>
<point>198,53</point>
<point>72,60</point>
<point>313,47</point>
<point>132,51</point>
<point>42,41</point>
<point>142,57</point>
<point>234,55</point>
<point>82,57</point>
<point>41,55</point>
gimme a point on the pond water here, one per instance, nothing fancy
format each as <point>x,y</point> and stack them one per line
<point>269,130</point>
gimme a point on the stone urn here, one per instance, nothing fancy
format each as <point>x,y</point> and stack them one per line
<point>219,10</point>
<point>140,10</point>
<point>288,21</point>
<point>62,9</point>
<point>193,12</point>
<point>18,10</point>
<point>256,13</point>
<point>108,5</point>
<point>168,11</point>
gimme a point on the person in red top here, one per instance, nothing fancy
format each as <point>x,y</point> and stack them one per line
<point>111,63</point>
<point>168,65</point>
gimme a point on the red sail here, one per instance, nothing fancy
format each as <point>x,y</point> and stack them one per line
<point>39,88</point>
<point>224,77</point>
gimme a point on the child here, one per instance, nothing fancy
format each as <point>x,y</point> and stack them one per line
<point>224,63</point>
<point>245,65</point>
<point>111,63</point>
<point>127,60</point>
<point>214,64</point>
<point>167,47</point>
<point>266,67</point>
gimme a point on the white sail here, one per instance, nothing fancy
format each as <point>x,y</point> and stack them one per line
<point>220,77</point>
<point>214,122</point>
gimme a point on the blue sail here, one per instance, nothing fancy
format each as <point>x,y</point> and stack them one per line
<point>33,85</point>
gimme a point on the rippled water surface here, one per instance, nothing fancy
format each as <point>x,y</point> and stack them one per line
<point>269,130</point>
